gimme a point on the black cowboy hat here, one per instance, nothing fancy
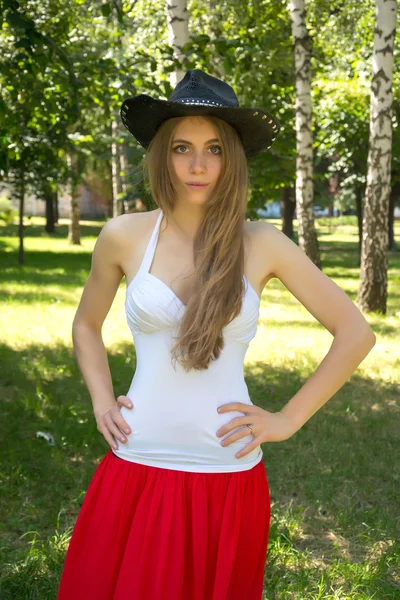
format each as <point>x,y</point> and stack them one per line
<point>200,94</point>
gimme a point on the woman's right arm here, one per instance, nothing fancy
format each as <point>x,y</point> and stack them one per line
<point>97,298</point>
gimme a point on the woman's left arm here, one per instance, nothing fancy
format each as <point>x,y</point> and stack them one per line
<point>328,303</point>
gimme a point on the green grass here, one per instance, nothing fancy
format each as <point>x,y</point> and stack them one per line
<point>335,524</point>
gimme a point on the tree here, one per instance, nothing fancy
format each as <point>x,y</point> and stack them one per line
<point>178,35</point>
<point>372,293</point>
<point>36,114</point>
<point>304,157</point>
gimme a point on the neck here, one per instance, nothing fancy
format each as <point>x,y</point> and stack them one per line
<point>185,220</point>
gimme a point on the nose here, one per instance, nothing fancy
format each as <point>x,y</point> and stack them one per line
<point>198,163</point>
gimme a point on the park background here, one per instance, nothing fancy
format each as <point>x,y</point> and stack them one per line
<point>67,164</point>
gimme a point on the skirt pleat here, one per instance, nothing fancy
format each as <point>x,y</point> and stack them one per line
<point>150,533</point>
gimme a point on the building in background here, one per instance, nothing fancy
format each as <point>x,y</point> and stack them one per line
<point>92,205</point>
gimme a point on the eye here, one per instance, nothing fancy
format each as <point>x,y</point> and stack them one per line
<point>176,148</point>
<point>219,148</point>
<point>183,146</point>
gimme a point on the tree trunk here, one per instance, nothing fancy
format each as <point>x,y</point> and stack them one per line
<point>304,156</point>
<point>110,206</point>
<point>359,191</point>
<point>74,230</point>
<point>288,206</point>
<point>392,204</point>
<point>118,208</point>
<point>178,34</point>
<point>55,198</point>
<point>372,293</point>
<point>21,253</point>
<point>124,177</point>
<point>49,200</point>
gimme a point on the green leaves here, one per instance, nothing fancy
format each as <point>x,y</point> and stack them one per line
<point>66,68</point>
<point>105,9</point>
<point>17,21</point>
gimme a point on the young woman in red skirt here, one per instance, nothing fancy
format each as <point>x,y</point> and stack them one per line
<point>179,507</point>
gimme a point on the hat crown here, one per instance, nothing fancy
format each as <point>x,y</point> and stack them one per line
<point>197,87</point>
<point>199,93</point>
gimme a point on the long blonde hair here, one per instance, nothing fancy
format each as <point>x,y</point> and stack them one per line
<point>218,246</point>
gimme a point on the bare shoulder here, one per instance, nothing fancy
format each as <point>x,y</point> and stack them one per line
<point>118,228</point>
<point>261,236</point>
<point>274,247</point>
<point>122,232</point>
<point>263,231</point>
<point>123,239</point>
<point>319,294</point>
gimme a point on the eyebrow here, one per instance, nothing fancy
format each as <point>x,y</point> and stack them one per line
<point>187,141</point>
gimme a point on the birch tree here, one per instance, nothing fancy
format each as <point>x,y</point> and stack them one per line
<point>372,293</point>
<point>178,34</point>
<point>304,153</point>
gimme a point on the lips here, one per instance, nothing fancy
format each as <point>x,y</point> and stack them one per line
<point>194,184</point>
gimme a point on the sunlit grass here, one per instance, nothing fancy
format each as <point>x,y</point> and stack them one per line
<point>334,485</point>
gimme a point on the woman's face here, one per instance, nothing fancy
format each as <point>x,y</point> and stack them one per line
<point>196,157</point>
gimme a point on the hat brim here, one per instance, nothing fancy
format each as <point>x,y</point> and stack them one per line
<point>143,115</point>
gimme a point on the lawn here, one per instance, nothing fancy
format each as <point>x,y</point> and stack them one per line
<point>335,524</point>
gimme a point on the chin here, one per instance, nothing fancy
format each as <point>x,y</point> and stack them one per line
<point>197,202</point>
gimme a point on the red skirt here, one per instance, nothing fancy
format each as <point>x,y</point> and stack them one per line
<point>146,533</point>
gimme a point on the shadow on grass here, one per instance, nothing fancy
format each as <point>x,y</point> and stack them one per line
<point>380,329</point>
<point>66,270</point>
<point>61,230</point>
<point>46,259</point>
<point>44,485</point>
<point>333,475</point>
<point>43,267</point>
<point>294,578</point>
<point>340,254</point>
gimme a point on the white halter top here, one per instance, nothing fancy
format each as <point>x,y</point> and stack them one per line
<point>174,418</point>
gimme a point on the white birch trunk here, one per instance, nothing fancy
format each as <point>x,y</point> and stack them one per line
<point>178,34</point>
<point>372,293</point>
<point>304,153</point>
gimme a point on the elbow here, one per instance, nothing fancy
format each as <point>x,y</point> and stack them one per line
<point>81,327</point>
<point>76,326</point>
<point>75,331</point>
<point>361,334</point>
<point>372,339</point>
<point>367,337</point>
<point>368,334</point>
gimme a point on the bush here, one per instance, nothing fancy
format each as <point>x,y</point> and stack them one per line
<point>7,213</point>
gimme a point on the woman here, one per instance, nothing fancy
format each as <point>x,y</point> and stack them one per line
<point>179,507</point>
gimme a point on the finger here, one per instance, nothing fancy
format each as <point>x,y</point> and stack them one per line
<point>100,416</point>
<point>238,435</point>
<point>107,436</point>
<point>112,427</point>
<point>239,406</point>
<point>236,422</point>
<point>248,448</point>
<point>121,423</point>
<point>125,401</point>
